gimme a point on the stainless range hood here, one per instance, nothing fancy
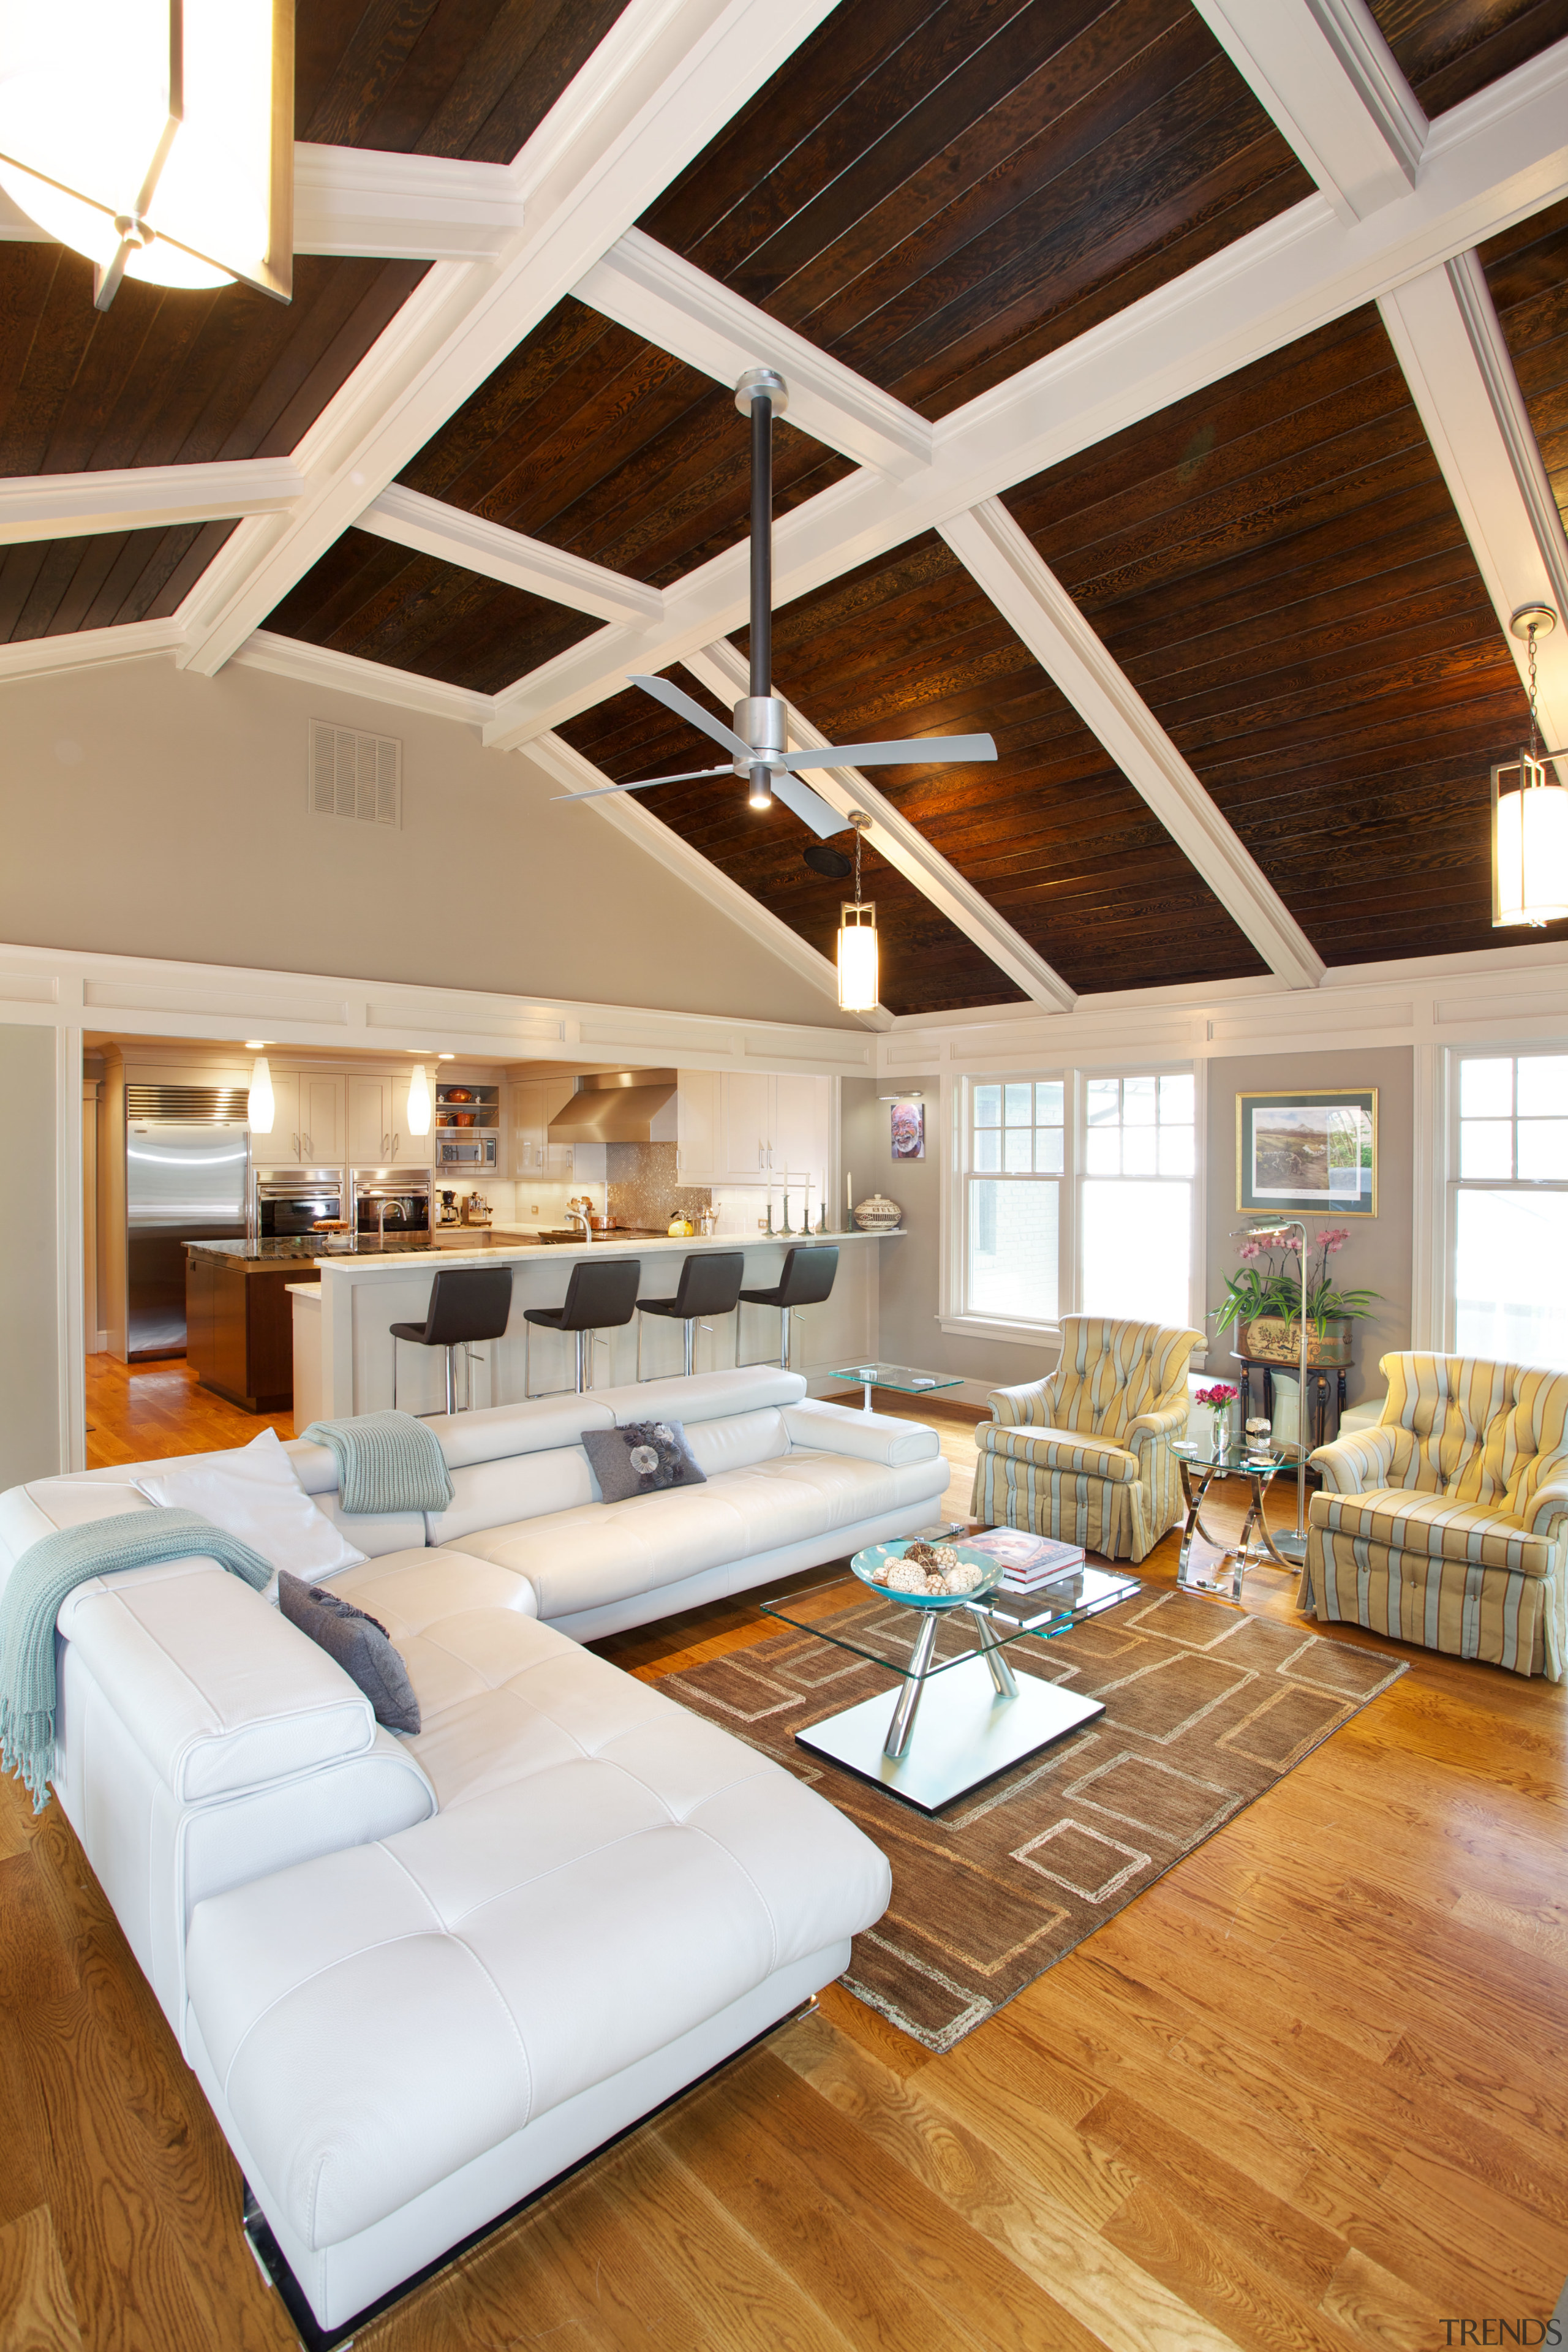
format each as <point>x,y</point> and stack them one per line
<point>616,1106</point>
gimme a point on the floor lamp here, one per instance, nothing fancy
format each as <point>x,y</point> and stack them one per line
<point>1293,1548</point>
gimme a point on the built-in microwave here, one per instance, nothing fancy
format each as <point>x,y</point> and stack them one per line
<point>468,1147</point>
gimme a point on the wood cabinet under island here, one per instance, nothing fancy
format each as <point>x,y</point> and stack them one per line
<point>239,1329</point>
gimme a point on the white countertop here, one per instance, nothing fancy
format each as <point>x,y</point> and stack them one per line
<point>638,1245</point>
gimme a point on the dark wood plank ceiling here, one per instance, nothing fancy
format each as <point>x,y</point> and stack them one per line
<point>1527,270</point>
<point>587,438</point>
<point>927,965</point>
<point>370,597</point>
<point>1448,49</point>
<point>1052,835</point>
<point>940,194</point>
<point>469,77</point>
<point>1278,566</point>
<point>160,379</point>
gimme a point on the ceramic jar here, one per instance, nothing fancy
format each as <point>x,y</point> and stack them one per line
<point>878,1214</point>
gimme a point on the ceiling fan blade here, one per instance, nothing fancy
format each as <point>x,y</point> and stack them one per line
<point>809,806</point>
<point>913,754</point>
<point>687,776</point>
<point>673,698</point>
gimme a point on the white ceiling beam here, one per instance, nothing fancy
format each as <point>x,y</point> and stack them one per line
<point>646,288</point>
<point>1446,337</point>
<point>84,648</point>
<point>144,497</point>
<point>1496,159</point>
<point>662,83</point>
<point>722,670</point>
<point>573,773</point>
<point>1034,603</point>
<point>338,673</point>
<point>433,528</point>
<point>358,200</point>
<point>1322,69</point>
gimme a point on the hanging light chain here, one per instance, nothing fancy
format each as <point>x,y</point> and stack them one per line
<point>1534,735</point>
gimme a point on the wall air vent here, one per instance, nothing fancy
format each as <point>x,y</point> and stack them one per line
<point>355,775</point>
<point>209,1104</point>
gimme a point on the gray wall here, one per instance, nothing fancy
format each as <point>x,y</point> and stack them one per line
<point>1377,1256</point>
<point>29,1362</point>
<point>148,811</point>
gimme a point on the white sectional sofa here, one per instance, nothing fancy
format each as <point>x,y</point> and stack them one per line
<point>418,1976</point>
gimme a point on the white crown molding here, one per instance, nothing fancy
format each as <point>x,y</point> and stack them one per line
<point>435,528</point>
<point>1446,337</point>
<point>358,200</point>
<point>646,288</point>
<point>1034,603</point>
<point>573,773</point>
<point>84,648</point>
<point>372,681</point>
<point>1323,71</point>
<point>144,498</point>
<point>665,80</point>
<point>722,670</point>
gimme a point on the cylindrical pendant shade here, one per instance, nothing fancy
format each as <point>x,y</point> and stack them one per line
<point>1530,844</point>
<point>418,1101</point>
<point>858,977</point>
<point>263,1109</point>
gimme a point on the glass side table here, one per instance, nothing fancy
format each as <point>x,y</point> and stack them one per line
<point>1257,1548</point>
<point>905,1378</point>
<point>958,1715</point>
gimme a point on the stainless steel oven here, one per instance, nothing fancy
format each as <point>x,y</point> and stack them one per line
<point>471,1149</point>
<point>390,1200</point>
<point>296,1200</point>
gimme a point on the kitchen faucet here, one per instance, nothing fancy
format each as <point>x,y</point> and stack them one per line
<point>581,1216</point>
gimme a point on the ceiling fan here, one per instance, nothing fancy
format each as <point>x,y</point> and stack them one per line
<point>755,743</point>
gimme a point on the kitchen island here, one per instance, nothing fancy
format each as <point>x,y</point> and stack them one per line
<point>239,1325</point>
<point>343,1333</point>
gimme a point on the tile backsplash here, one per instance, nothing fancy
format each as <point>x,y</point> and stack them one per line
<point>643,1189</point>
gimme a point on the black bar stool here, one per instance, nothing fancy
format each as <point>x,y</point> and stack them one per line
<point>807,1281</point>
<point>710,1285</point>
<point>467,1303</point>
<point>602,1293</point>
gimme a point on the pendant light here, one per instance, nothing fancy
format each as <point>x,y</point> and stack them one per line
<point>262,1107</point>
<point>154,136</point>
<point>1530,814</point>
<point>858,974</point>
<point>418,1101</point>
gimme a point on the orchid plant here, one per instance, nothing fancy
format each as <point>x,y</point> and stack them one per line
<point>1269,1282</point>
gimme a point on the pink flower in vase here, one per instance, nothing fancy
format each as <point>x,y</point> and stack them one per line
<point>1334,1238</point>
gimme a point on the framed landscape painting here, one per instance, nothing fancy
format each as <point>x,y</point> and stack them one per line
<point>1304,1154</point>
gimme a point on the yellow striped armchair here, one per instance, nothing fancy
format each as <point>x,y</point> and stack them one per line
<point>1086,1454</point>
<point>1446,1523</point>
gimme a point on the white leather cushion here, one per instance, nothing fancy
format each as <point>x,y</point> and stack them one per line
<point>378,2018</point>
<point>519,1486</point>
<point>706,1396</point>
<point>738,1440</point>
<point>254,1494</point>
<point>585,1558</point>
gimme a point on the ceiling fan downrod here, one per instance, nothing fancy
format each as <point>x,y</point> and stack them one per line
<point>759,719</point>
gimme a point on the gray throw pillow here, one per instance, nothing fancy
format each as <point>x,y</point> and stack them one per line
<point>643,1459</point>
<point>358,1642</point>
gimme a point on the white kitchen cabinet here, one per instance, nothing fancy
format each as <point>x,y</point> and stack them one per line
<point>697,1127</point>
<point>526,1148</point>
<point>370,1103</point>
<point>322,1107</point>
<point>279,1147</point>
<point>747,1102</point>
<point>741,1127</point>
<point>802,1127</point>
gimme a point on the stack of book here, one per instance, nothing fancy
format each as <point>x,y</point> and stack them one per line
<point>1030,1563</point>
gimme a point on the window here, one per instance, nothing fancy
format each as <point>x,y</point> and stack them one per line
<point>1137,1199</point>
<point>1510,1221</point>
<point>1013,1211</point>
<point>1077,1197</point>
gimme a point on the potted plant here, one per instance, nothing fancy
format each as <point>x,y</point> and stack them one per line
<point>1264,1300</point>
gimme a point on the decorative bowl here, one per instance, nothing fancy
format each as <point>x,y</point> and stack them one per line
<point>878,1214</point>
<point>875,1555</point>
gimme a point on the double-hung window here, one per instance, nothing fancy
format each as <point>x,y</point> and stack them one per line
<point>1078,1198</point>
<point>1508,1207</point>
<point>1136,1218</point>
<point>1012,1223</point>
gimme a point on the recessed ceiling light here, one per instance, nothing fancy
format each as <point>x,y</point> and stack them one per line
<point>445,1057</point>
<point>257,1045</point>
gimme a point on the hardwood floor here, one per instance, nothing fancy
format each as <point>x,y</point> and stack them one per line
<point>1303,2095</point>
<point>140,1412</point>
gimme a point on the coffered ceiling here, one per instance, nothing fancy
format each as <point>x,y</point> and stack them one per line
<point>1178,389</point>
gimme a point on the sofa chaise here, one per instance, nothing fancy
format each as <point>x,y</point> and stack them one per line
<point>419,1977</point>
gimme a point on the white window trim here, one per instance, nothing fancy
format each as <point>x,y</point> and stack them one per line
<point>953,1317</point>
<point>1434,1307</point>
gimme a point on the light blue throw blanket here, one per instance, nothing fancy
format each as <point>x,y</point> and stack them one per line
<point>386,1461</point>
<point>50,1569</point>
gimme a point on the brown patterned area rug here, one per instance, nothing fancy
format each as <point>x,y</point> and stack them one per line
<point>1207,1707</point>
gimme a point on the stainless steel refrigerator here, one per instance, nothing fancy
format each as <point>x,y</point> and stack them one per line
<point>185,1181</point>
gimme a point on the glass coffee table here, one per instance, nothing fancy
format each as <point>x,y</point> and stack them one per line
<point>905,1378</point>
<point>1257,1548</point>
<point>958,1714</point>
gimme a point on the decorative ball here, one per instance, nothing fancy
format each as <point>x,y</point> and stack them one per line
<point>878,1215</point>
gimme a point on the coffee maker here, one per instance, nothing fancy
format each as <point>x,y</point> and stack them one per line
<point>448,1215</point>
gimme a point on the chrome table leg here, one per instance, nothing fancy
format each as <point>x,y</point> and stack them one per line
<point>903,1722</point>
<point>995,1657</point>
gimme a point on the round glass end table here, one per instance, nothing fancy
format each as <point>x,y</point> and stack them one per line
<point>1256,1548</point>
